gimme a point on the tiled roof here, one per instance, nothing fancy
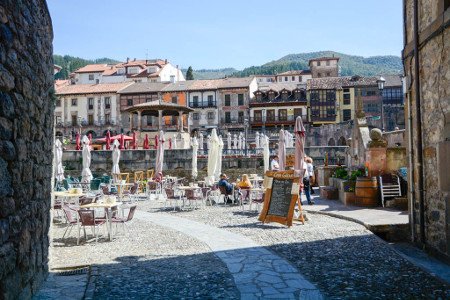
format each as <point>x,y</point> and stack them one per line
<point>235,82</point>
<point>144,87</point>
<point>392,80</point>
<point>340,82</point>
<point>81,89</point>
<point>59,83</point>
<point>179,86</point>
<point>142,63</point>
<point>93,68</point>
<point>295,72</point>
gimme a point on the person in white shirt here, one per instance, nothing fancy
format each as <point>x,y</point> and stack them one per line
<point>274,166</point>
<point>309,172</point>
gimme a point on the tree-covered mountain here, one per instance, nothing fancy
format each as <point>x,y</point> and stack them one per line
<point>71,63</point>
<point>350,64</point>
<point>211,73</point>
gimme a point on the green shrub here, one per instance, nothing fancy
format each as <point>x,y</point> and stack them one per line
<point>341,173</point>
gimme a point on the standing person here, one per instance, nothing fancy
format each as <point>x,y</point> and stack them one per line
<point>312,178</point>
<point>274,166</point>
<point>308,168</point>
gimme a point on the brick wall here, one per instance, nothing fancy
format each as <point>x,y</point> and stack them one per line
<point>26,130</point>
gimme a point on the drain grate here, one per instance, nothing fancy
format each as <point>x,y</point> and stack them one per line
<point>72,271</point>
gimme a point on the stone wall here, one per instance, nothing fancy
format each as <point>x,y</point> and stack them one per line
<point>26,131</point>
<point>434,79</point>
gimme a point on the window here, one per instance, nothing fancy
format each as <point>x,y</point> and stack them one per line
<point>297,112</point>
<point>346,99</point>
<point>347,113</point>
<point>259,96</point>
<point>107,102</point>
<point>300,78</point>
<point>227,117</point>
<point>210,100</point>
<point>280,79</point>
<point>284,95</point>
<point>371,93</point>
<point>149,120</point>
<point>293,78</point>
<point>175,99</point>
<point>241,117</point>
<point>270,115</point>
<point>130,102</point>
<point>282,115</point>
<point>58,119</point>
<point>195,101</point>
<point>240,99</point>
<point>285,78</point>
<point>58,102</point>
<point>319,75</point>
<point>346,90</point>
<point>318,63</point>
<point>227,100</point>
<point>257,116</point>
<point>91,76</point>
<point>74,120</point>
<point>90,103</point>
<point>271,95</point>
<point>195,116</point>
<point>328,74</point>
<point>91,119</point>
<point>210,115</point>
<point>107,118</point>
<point>328,63</point>
<point>74,102</point>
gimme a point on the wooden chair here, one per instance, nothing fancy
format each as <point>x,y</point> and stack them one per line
<point>139,179</point>
<point>150,174</point>
<point>124,176</point>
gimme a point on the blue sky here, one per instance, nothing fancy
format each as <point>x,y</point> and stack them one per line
<point>228,33</point>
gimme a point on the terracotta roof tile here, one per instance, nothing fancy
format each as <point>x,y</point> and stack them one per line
<point>92,68</point>
<point>340,82</point>
<point>81,89</point>
<point>295,72</point>
<point>144,87</point>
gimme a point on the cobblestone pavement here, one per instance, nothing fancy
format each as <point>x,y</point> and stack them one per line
<point>256,271</point>
<point>342,258</point>
<point>152,262</point>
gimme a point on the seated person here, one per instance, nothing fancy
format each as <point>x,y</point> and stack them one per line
<point>245,182</point>
<point>274,166</point>
<point>224,182</point>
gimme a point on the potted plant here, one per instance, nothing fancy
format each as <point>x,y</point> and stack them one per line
<point>349,192</point>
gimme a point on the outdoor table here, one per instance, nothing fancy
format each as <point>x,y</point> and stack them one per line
<point>66,195</point>
<point>108,209</point>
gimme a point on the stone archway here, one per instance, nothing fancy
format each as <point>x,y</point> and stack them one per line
<point>342,141</point>
<point>331,142</point>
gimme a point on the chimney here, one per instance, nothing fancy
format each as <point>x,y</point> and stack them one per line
<point>128,59</point>
<point>165,61</point>
<point>134,59</point>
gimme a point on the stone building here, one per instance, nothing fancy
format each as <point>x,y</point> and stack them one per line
<point>89,108</point>
<point>26,145</point>
<point>324,67</point>
<point>426,58</point>
<point>299,76</point>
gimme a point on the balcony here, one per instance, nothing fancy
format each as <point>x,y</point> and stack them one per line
<point>276,120</point>
<point>229,121</point>
<point>204,104</point>
<point>329,118</point>
<point>277,101</point>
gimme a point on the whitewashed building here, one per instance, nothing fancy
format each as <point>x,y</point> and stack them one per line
<point>299,76</point>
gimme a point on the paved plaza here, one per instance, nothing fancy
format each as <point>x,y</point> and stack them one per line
<point>225,252</point>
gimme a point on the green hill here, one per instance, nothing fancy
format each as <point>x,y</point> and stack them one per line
<point>350,64</point>
<point>71,63</point>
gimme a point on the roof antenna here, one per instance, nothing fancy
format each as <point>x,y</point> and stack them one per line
<point>146,54</point>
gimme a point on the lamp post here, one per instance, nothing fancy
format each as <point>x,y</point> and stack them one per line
<point>380,83</point>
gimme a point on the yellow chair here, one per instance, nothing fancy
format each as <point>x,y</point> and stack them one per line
<point>150,174</point>
<point>139,178</point>
<point>124,176</point>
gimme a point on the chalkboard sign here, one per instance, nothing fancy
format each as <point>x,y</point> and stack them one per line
<point>281,195</point>
<point>280,198</point>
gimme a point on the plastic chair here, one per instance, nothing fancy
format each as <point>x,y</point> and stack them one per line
<point>256,197</point>
<point>95,184</point>
<point>87,219</point>
<point>116,220</point>
<point>70,219</point>
<point>194,195</point>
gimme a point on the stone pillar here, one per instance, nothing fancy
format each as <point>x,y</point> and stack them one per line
<point>160,119</point>
<point>139,121</point>
<point>26,145</point>
<point>180,121</point>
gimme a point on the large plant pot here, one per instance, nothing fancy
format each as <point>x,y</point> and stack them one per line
<point>366,192</point>
<point>349,198</point>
